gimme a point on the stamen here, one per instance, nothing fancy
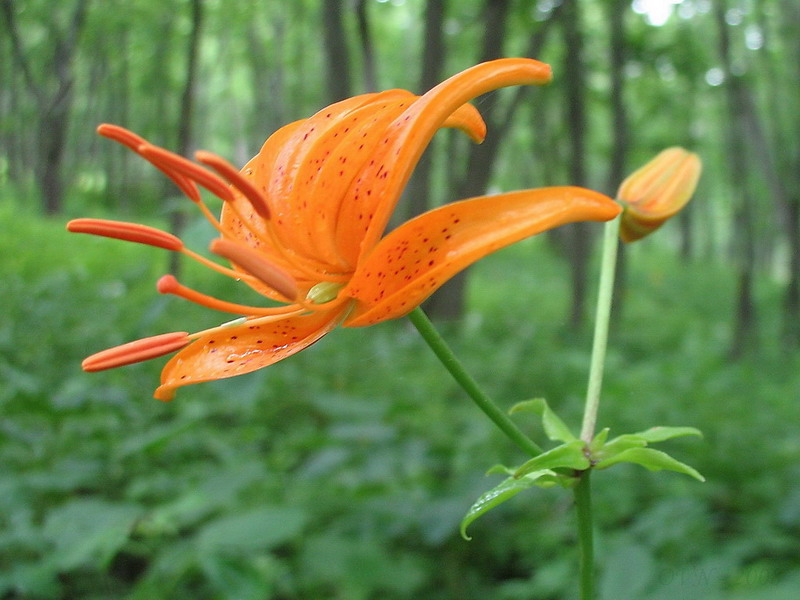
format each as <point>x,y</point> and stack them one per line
<point>174,162</point>
<point>169,285</point>
<point>134,142</point>
<point>130,232</point>
<point>252,262</point>
<point>119,134</point>
<point>234,177</point>
<point>138,351</point>
<point>216,267</point>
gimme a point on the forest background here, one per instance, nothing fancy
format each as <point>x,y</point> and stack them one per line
<point>344,472</point>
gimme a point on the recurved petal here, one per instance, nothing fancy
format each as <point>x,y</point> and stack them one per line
<point>373,196</point>
<point>244,348</point>
<point>410,263</point>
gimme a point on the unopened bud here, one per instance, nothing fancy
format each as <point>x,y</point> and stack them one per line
<point>657,191</point>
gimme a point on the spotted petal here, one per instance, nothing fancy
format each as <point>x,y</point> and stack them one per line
<point>419,256</point>
<point>373,196</point>
<point>243,348</point>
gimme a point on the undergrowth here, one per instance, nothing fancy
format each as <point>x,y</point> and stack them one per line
<point>344,471</point>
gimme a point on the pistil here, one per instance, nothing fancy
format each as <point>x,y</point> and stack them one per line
<point>169,285</point>
<point>260,268</point>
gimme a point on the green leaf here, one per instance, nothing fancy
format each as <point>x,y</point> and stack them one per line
<point>501,470</point>
<point>619,444</point>
<point>639,440</point>
<point>89,531</point>
<point>554,428</point>
<point>661,434</point>
<point>506,490</point>
<point>654,460</point>
<point>259,529</point>
<point>570,456</point>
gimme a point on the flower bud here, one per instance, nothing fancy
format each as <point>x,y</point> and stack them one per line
<point>657,191</point>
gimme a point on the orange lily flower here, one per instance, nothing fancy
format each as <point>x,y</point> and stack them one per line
<point>302,224</point>
<point>657,191</point>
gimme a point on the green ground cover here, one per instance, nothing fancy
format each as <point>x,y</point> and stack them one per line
<point>344,472</point>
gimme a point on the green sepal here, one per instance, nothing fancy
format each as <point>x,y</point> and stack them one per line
<point>653,460</point>
<point>599,440</point>
<point>505,490</point>
<point>554,428</point>
<point>570,456</point>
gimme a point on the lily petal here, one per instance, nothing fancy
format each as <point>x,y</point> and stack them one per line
<point>287,158</point>
<point>328,166</point>
<point>240,349</point>
<point>373,196</point>
<point>258,170</point>
<point>415,259</point>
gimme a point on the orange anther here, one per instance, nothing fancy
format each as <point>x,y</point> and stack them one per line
<point>119,134</point>
<point>138,351</point>
<point>130,232</point>
<point>134,142</point>
<point>174,162</point>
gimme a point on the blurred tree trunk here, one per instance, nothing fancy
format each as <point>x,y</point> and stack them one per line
<point>336,55</point>
<point>617,168</point>
<point>53,98</point>
<point>186,117</point>
<point>418,190</point>
<point>744,332</point>
<point>448,302</point>
<point>367,47</point>
<point>576,237</point>
<point>11,142</point>
<point>786,134</point>
<point>115,109</point>
<point>268,76</point>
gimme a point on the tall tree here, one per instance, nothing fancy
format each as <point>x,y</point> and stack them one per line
<point>186,114</point>
<point>418,191</point>
<point>448,302</point>
<point>744,335</point>
<point>53,94</point>
<point>268,72</point>
<point>617,166</point>
<point>337,57</point>
<point>785,179</point>
<point>576,237</point>
<point>367,47</point>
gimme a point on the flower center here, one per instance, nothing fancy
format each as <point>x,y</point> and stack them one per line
<point>323,292</point>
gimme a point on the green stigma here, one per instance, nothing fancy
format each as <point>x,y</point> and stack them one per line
<point>324,292</point>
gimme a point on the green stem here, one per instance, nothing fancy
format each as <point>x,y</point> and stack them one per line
<point>602,318</point>
<point>583,490</point>
<point>583,507</point>
<point>469,385</point>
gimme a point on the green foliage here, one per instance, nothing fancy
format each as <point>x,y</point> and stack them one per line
<point>346,470</point>
<point>563,464</point>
